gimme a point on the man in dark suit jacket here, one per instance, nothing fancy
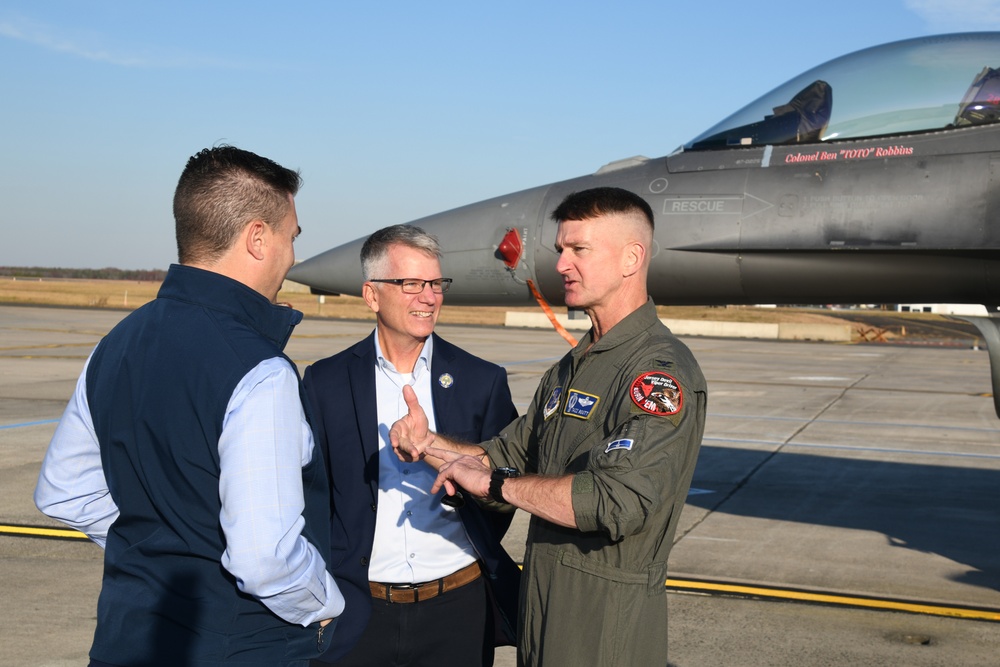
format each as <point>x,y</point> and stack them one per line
<point>424,583</point>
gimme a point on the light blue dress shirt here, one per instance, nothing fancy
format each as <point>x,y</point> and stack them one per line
<point>417,539</point>
<point>265,442</point>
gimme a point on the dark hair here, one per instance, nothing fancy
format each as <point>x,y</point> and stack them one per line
<point>595,202</point>
<point>220,191</point>
<point>375,250</point>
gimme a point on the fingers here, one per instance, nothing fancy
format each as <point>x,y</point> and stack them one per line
<point>410,436</point>
<point>407,452</point>
<point>459,470</point>
<point>405,455</point>
<point>449,486</point>
<point>399,438</point>
<point>410,397</point>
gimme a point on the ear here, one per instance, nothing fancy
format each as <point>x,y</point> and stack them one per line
<point>370,294</point>
<point>255,237</point>
<point>634,255</point>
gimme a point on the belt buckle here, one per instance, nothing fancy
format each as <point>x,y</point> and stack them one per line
<point>402,587</point>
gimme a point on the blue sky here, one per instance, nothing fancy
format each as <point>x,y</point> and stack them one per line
<point>391,110</point>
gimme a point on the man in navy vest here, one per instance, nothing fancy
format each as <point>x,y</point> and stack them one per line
<point>186,452</point>
<point>425,583</point>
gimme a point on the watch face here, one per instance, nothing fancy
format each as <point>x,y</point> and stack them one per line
<point>508,472</point>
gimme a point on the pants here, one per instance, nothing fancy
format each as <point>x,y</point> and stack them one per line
<point>449,629</point>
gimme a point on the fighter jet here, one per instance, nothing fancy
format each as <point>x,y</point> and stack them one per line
<point>873,178</point>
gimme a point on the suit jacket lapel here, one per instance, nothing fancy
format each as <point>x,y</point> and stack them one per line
<point>362,378</point>
<point>442,374</point>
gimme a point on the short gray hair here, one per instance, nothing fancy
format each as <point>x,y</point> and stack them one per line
<point>375,251</point>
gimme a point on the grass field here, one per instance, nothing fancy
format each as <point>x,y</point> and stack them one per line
<point>128,295</point>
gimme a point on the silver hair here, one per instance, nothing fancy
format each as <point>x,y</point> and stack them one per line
<point>375,251</point>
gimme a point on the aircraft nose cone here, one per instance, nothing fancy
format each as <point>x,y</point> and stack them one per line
<point>337,271</point>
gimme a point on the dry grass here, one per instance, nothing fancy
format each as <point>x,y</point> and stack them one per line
<point>748,314</point>
<point>129,295</point>
<point>81,293</point>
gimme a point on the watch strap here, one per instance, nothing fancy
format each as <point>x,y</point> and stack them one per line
<point>496,486</point>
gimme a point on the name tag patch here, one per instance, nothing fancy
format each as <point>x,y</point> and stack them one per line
<point>580,404</point>
<point>623,443</point>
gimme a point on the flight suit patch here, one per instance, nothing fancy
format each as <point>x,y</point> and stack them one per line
<point>621,443</point>
<point>657,393</point>
<point>552,404</point>
<point>580,404</point>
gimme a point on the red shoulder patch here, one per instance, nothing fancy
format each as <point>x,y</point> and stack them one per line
<point>657,393</point>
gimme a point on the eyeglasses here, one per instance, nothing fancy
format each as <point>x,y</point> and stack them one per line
<point>415,285</point>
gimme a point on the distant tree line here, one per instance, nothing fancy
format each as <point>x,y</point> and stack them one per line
<point>108,273</point>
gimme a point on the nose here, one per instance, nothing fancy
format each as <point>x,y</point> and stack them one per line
<point>562,264</point>
<point>428,295</point>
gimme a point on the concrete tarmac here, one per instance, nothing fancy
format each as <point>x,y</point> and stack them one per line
<point>868,476</point>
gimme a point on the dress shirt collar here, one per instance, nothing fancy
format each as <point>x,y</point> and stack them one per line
<point>422,364</point>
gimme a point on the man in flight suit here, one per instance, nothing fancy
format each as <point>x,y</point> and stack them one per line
<point>602,459</point>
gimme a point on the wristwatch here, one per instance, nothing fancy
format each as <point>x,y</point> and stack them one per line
<point>496,482</point>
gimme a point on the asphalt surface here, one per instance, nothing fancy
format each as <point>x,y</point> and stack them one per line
<point>866,477</point>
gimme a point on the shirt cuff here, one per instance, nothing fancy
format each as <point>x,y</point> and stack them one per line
<point>584,501</point>
<point>494,454</point>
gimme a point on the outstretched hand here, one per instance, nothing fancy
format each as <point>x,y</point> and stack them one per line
<point>410,436</point>
<point>467,472</point>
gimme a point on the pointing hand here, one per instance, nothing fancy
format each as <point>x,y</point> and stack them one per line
<point>410,436</point>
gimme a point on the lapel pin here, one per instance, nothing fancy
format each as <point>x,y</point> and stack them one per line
<point>446,380</point>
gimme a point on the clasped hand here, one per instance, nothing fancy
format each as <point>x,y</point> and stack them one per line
<point>461,470</point>
<point>412,440</point>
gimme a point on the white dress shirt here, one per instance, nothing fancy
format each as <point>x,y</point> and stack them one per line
<point>417,539</point>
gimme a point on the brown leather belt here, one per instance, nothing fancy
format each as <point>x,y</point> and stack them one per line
<point>408,593</point>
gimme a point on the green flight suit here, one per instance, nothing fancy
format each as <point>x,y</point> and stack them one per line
<point>626,417</point>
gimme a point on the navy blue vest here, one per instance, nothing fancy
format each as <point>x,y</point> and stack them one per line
<point>158,386</point>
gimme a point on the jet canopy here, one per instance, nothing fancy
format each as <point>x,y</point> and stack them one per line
<point>916,85</point>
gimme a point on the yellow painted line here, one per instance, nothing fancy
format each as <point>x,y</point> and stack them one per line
<point>681,585</point>
<point>32,531</point>
<point>835,599</point>
<point>882,604</point>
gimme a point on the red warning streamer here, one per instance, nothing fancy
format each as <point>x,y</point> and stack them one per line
<point>552,316</point>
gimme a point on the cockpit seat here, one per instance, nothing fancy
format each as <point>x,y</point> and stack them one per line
<point>812,105</point>
<point>981,104</point>
<point>802,120</point>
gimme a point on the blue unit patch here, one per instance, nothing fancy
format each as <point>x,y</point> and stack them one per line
<point>622,443</point>
<point>553,403</point>
<point>580,404</point>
